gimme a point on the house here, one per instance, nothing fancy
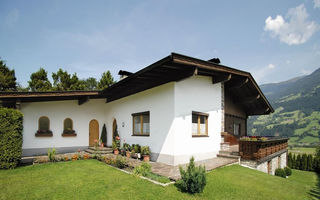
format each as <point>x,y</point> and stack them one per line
<point>179,106</point>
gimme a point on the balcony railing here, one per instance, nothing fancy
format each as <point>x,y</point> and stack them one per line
<point>259,147</point>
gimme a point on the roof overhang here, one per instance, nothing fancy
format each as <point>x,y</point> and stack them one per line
<point>82,96</point>
<point>239,84</point>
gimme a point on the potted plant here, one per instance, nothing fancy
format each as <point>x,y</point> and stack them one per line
<point>127,148</point>
<point>115,148</point>
<point>145,151</point>
<point>101,144</point>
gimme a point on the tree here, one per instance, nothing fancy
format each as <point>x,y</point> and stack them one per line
<point>91,83</point>
<point>39,81</point>
<point>318,151</point>
<point>103,136</point>
<point>63,81</point>
<point>7,78</point>
<point>310,163</point>
<point>290,160</point>
<point>106,80</point>
<point>304,162</point>
<point>294,162</point>
<point>298,162</point>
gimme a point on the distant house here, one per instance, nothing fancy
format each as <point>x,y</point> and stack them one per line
<point>179,106</point>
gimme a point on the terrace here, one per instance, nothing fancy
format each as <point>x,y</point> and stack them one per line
<point>260,148</point>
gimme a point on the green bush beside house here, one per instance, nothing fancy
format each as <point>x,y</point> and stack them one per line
<point>11,126</point>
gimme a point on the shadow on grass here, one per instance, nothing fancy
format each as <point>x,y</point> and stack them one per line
<point>315,192</point>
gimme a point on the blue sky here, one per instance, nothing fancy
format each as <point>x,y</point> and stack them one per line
<point>274,40</point>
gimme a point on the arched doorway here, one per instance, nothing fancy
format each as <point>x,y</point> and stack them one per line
<point>93,131</point>
<point>114,129</point>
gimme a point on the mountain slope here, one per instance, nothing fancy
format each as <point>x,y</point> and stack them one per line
<point>297,110</point>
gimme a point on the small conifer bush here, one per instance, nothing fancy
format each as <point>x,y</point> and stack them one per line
<point>193,180</point>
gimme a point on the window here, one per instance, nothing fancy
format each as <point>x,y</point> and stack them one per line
<point>236,129</point>
<point>44,127</point>
<point>68,126</point>
<point>141,124</point>
<point>199,124</point>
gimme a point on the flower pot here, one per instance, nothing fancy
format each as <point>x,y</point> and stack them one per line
<point>116,152</point>
<point>139,155</point>
<point>146,158</point>
<point>128,154</point>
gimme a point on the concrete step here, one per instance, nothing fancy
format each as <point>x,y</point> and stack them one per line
<point>99,151</point>
<point>228,156</point>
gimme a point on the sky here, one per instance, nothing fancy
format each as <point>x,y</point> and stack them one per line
<point>274,40</point>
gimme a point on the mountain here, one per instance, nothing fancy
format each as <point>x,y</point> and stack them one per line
<point>297,111</point>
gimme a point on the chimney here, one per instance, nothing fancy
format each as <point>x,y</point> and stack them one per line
<point>215,60</point>
<point>124,74</point>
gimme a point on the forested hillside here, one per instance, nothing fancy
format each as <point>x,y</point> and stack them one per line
<point>297,111</point>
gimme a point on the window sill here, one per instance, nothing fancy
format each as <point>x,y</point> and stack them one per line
<point>200,135</point>
<point>68,134</point>
<point>140,135</point>
<point>43,134</point>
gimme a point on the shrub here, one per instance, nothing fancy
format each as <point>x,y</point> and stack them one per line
<point>193,180</point>
<point>11,126</point>
<point>280,172</point>
<point>51,154</point>
<point>85,156</point>
<point>120,162</point>
<point>287,171</point>
<point>145,150</point>
<point>126,147</point>
<point>75,157</point>
<point>143,169</point>
<point>114,145</point>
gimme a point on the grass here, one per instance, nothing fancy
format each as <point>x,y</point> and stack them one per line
<point>91,179</point>
<point>302,150</point>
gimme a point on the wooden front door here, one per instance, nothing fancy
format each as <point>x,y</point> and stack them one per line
<point>93,131</point>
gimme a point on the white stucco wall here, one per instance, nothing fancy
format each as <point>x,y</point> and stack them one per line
<point>57,111</point>
<point>170,106</point>
<point>196,93</point>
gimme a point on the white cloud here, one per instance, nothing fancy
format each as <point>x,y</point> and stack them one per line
<point>12,17</point>
<point>261,73</point>
<point>296,30</point>
<point>271,66</point>
<point>316,3</point>
<point>288,62</point>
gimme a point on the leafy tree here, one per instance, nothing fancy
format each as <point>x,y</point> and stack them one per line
<point>20,88</point>
<point>7,78</point>
<point>63,81</point>
<point>294,162</point>
<point>106,80</point>
<point>91,83</point>
<point>39,81</point>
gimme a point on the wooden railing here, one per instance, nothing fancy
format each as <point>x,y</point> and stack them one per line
<point>256,150</point>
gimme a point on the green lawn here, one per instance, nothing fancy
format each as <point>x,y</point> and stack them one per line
<point>91,179</point>
<point>302,150</point>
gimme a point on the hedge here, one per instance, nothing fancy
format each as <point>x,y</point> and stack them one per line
<point>10,137</point>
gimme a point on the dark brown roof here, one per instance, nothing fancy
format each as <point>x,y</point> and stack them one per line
<point>239,84</point>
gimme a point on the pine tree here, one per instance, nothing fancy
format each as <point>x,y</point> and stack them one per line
<point>290,160</point>
<point>39,81</point>
<point>103,136</point>
<point>63,81</point>
<point>294,162</point>
<point>7,78</point>
<point>310,163</point>
<point>106,80</point>
<point>304,162</point>
<point>298,162</point>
